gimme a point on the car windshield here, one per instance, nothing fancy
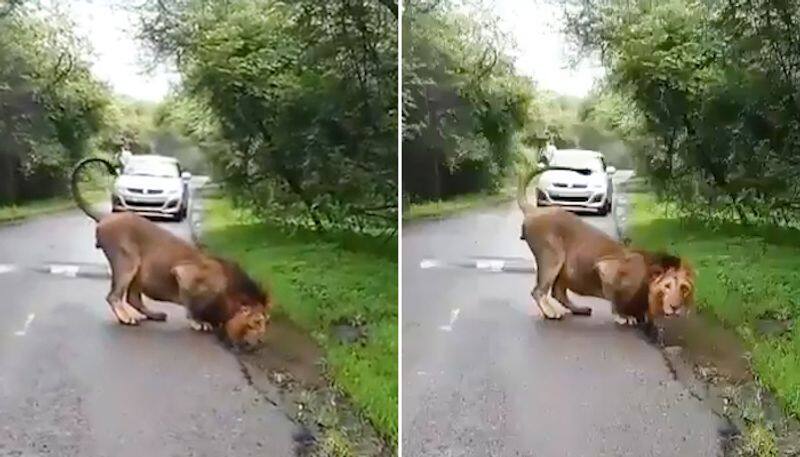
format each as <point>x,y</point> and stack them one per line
<point>576,161</point>
<point>160,169</point>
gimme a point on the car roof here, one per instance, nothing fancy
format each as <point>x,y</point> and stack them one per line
<point>587,152</point>
<point>153,157</point>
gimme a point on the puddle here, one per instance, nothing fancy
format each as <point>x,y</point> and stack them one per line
<point>705,342</point>
<point>289,351</point>
<point>713,365</point>
<point>288,370</point>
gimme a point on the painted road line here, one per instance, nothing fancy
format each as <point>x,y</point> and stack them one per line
<point>28,321</point>
<point>5,268</point>
<point>453,317</point>
<point>65,270</point>
<point>486,265</point>
<point>491,265</point>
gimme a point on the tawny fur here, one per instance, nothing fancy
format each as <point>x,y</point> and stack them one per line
<point>148,260</point>
<point>573,255</point>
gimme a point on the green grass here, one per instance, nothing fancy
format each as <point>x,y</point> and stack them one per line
<point>47,206</point>
<point>320,282</point>
<point>745,275</point>
<point>454,205</point>
<point>34,208</point>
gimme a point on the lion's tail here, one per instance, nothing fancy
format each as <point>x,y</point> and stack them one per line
<point>82,203</point>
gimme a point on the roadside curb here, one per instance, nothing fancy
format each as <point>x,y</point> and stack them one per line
<point>197,209</point>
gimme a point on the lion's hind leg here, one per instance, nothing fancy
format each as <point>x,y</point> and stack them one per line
<point>549,262</point>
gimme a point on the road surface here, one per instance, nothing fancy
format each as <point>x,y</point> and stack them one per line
<point>75,383</point>
<point>482,378</point>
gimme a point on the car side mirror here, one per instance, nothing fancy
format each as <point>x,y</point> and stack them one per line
<point>611,170</point>
<point>186,176</point>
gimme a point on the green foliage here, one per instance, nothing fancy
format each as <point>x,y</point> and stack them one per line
<point>716,85</point>
<point>298,100</point>
<point>463,105</point>
<point>50,106</point>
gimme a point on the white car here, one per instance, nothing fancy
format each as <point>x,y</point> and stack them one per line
<point>152,185</point>
<point>593,192</point>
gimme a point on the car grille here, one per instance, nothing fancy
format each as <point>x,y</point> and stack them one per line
<point>569,198</point>
<point>574,186</point>
<point>134,190</point>
<point>145,204</point>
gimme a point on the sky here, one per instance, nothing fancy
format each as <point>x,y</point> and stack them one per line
<point>542,52</point>
<point>116,58</point>
<point>534,25</point>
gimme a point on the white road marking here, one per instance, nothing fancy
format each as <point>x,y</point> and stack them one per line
<point>491,265</point>
<point>429,263</point>
<point>66,270</point>
<point>28,321</point>
<point>7,268</point>
<point>453,317</point>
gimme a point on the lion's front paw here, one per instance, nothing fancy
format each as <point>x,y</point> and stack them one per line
<point>625,320</point>
<point>200,326</point>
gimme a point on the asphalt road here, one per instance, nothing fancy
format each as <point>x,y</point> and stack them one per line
<point>75,383</point>
<point>482,378</point>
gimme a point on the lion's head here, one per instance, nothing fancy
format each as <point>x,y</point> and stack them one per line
<point>250,306</point>
<point>640,281</point>
<point>671,290</point>
<point>218,291</point>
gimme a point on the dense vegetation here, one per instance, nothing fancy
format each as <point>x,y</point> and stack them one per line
<point>295,103</point>
<point>715,85</point>
<point>51,108</point>
<point>463,105</point>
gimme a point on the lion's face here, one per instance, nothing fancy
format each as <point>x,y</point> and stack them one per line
<point>248,326</point>
<point>672,292</point>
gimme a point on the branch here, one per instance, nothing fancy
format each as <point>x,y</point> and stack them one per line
<point>391,5</point>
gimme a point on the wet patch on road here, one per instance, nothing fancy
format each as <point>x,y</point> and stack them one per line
<point>713,365</point>
<point>288,370</point>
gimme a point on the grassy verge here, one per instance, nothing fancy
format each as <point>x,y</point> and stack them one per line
<point>320,283</point>
<point>454,205</point>
<point>748,279</point>
<point>35,208</point>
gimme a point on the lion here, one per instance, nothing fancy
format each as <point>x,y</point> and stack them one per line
<point>148,260</point>
<point>573,255</point>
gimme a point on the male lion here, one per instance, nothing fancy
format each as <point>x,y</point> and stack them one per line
<point>148,260</point>
<point>571,254</point>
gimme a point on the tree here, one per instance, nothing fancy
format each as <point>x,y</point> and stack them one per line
<point>463,104</point>
<point>51,107</point>
<point>303,95</point>
<point>716,84</point>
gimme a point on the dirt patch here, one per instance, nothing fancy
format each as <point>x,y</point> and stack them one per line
<point>712,363</point>
<point>707,343</point>
<point>288,350</point>
<point>288,370</point>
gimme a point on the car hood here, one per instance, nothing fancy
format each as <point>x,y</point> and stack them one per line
<point>149,182</point>
<point>570,177</point>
